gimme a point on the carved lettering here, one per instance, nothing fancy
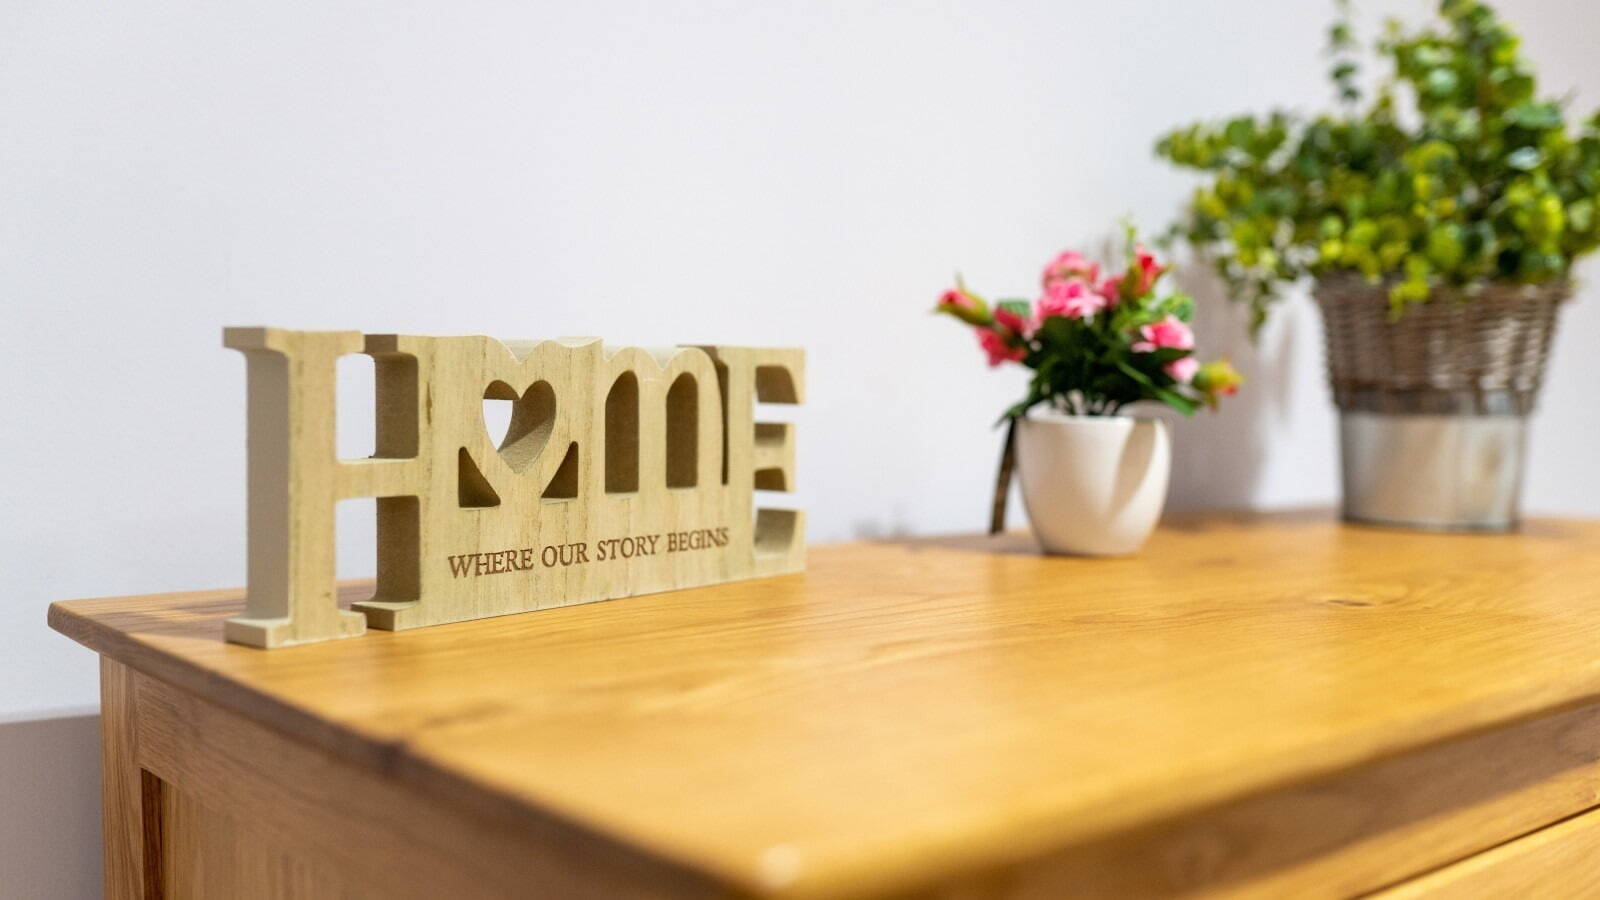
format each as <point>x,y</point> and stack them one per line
<point>605,550</point>
<point>612,461</point>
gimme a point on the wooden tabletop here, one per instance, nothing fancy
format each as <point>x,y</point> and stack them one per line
<point>908,709</point>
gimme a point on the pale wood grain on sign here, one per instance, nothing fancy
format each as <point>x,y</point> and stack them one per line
<point>622,472</point>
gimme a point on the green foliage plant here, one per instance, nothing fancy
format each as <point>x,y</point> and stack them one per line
<point>1455,172</point>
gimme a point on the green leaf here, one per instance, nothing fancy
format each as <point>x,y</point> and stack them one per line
<point>1535,115</point>
<point>1172,398</point>
<point>1442,82</point>
<point>1525,159</point>
<point>1445,248</point>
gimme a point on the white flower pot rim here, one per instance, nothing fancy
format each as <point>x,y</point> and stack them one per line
<point>1055,415</point>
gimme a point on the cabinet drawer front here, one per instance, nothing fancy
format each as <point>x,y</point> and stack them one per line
<point>1560,861</point>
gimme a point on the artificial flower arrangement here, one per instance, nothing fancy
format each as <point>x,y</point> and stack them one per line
<point>1097,344</point>
<point>1094,480</point>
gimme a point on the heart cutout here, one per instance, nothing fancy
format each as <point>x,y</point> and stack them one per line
<point>528,425</point>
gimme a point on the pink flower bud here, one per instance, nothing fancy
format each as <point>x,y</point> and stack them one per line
<point>1169,332</point>
<point>996,347</point>
<point>1183,369</point>
<point>1012,322</point>
<point>956,299</point>
<point>964,305</point>
<point>1218,378</point>
<point>1149,269</point>
<point>1111,289</point>
<point>1067,266</point>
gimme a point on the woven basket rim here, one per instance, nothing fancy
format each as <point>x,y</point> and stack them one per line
<point>1481,353</point>
<point>1340,284</point>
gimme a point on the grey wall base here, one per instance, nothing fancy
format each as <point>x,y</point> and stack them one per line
<point>50,809</point>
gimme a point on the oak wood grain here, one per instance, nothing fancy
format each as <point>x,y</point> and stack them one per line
<point>906,714</point>
<point>209,853</point>
<point>1339,835</point>
<point>131,849</point>
<point>249,814</point>
<point>1562,860</point>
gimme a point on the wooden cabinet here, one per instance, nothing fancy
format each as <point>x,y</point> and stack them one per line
<point>1267,706</point>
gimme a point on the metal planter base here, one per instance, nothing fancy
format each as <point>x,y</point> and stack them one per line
<point>1434,404</point>
<point>1441,472</point>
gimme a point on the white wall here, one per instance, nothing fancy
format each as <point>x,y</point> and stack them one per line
<point>778,172</point>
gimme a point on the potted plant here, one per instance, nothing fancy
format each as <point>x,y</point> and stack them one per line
<point>1093,478</point>
<point>1439,241</point>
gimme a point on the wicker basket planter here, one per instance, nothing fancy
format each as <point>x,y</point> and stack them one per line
<point>1434,407</point>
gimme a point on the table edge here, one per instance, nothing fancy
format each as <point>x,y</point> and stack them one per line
<point>394,759</point>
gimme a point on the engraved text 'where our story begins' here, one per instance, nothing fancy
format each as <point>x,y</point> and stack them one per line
<point>520,559</point>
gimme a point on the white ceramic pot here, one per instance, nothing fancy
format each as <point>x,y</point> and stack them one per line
<point>1093,485</point>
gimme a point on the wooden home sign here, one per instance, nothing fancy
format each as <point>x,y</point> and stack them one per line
<point>623,472</point>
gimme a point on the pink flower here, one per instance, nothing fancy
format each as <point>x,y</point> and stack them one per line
<point>1111,289</point>
<point>1169,332</point>
<point>1068,265</point>
<point>954,298</point>
<point>1012,322</point>
<point>1071,299</point>
<point>996,347</point>
<point>1183,369</point>
<point>1149,269</point>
